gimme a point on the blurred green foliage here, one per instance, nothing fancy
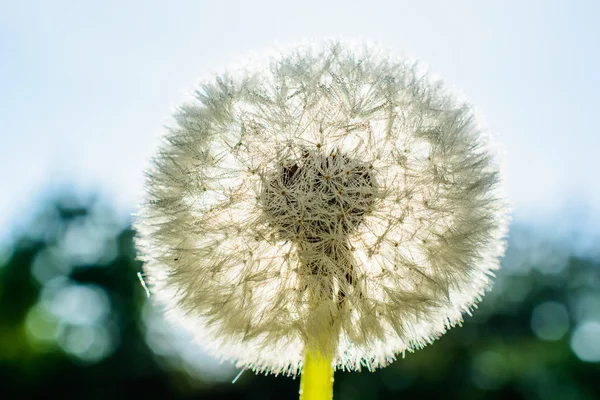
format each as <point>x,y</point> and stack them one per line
<point>75,324</point>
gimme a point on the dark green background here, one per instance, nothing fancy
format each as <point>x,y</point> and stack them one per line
<point>494,355</point>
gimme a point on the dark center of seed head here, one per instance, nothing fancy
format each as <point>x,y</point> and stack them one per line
<point>318,196</point>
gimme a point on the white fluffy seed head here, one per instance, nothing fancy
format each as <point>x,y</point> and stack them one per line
<point>333,198</point>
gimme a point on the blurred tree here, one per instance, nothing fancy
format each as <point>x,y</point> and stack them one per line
<point>74,324</point>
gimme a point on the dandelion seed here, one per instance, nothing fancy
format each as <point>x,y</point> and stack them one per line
<point>238,375</point>
<point>141,278</point>
<point>334,198</point>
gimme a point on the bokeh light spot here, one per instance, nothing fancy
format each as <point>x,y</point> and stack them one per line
<point>550,321</point>
<point>40,328</point>
<point>50,263</point>
<point>79,304</point>
<point>88,343</point>
<point>585,341</point>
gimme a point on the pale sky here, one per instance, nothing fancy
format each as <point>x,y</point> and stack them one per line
<point>86,87</point>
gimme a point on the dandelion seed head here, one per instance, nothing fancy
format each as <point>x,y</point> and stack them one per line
<point>333,198</point>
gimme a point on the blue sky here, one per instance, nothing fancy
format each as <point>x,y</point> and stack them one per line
<point>86,87</point>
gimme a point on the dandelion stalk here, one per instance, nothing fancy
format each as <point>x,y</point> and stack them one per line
<point>316,382</point>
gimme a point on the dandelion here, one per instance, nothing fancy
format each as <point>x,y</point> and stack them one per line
<point>332,207</point>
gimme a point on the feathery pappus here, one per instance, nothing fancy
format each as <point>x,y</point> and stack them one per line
<point>331,197</point>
